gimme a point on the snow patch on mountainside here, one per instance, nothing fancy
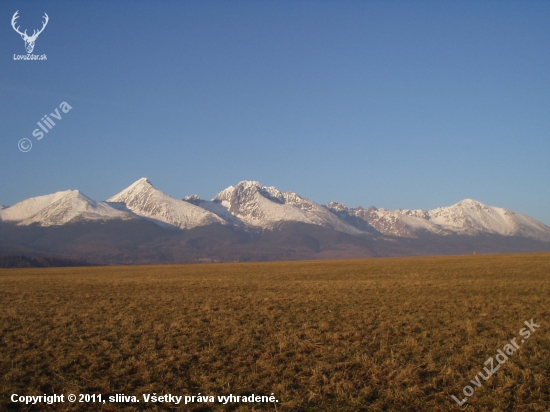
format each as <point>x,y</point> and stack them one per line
<point>60,208</point>
<point>217,208</point>
<point>144,200</point>
<point>401,222</point>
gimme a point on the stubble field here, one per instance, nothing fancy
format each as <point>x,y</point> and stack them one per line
<point>400,334</point>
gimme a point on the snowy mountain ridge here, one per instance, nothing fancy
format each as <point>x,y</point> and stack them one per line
<point>250,205</point>
<point>467,217</point>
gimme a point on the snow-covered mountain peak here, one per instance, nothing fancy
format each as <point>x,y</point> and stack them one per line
<point>60,208</point>
<point>471,204</point>
<point>471,217</point>
<point>138,185</point>
<point>194,199</point>
<point>143,199</point>
<point>249,184</point>
<point>337,207</point>
<point>224,195</point>
<point>246,190</point>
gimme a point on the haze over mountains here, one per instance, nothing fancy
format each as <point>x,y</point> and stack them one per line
<point>250,221</point>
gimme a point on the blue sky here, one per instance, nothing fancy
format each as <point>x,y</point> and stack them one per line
<point>412,104</point>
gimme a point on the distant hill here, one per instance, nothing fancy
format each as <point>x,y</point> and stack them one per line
<point>18,261</point>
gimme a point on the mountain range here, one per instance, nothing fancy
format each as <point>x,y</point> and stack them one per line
<point>250,221</point>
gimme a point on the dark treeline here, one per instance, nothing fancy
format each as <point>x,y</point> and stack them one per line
<point>19,261</point>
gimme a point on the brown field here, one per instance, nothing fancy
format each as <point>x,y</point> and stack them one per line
<point>401,334</point>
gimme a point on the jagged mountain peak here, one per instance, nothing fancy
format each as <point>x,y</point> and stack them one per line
<point>247,189</point>
<point>249,184</point>
<point>266,206</point>
<point>193,199</point>
<point>337,206</point>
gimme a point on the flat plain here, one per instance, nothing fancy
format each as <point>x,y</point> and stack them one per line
<point>396,334</point>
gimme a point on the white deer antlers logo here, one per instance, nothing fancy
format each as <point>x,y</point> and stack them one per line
<point>29,40</point>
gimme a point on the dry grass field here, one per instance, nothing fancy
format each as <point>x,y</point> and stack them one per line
<point>400,334</point>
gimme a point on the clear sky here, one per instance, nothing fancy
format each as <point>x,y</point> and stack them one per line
<point>397,104</point>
